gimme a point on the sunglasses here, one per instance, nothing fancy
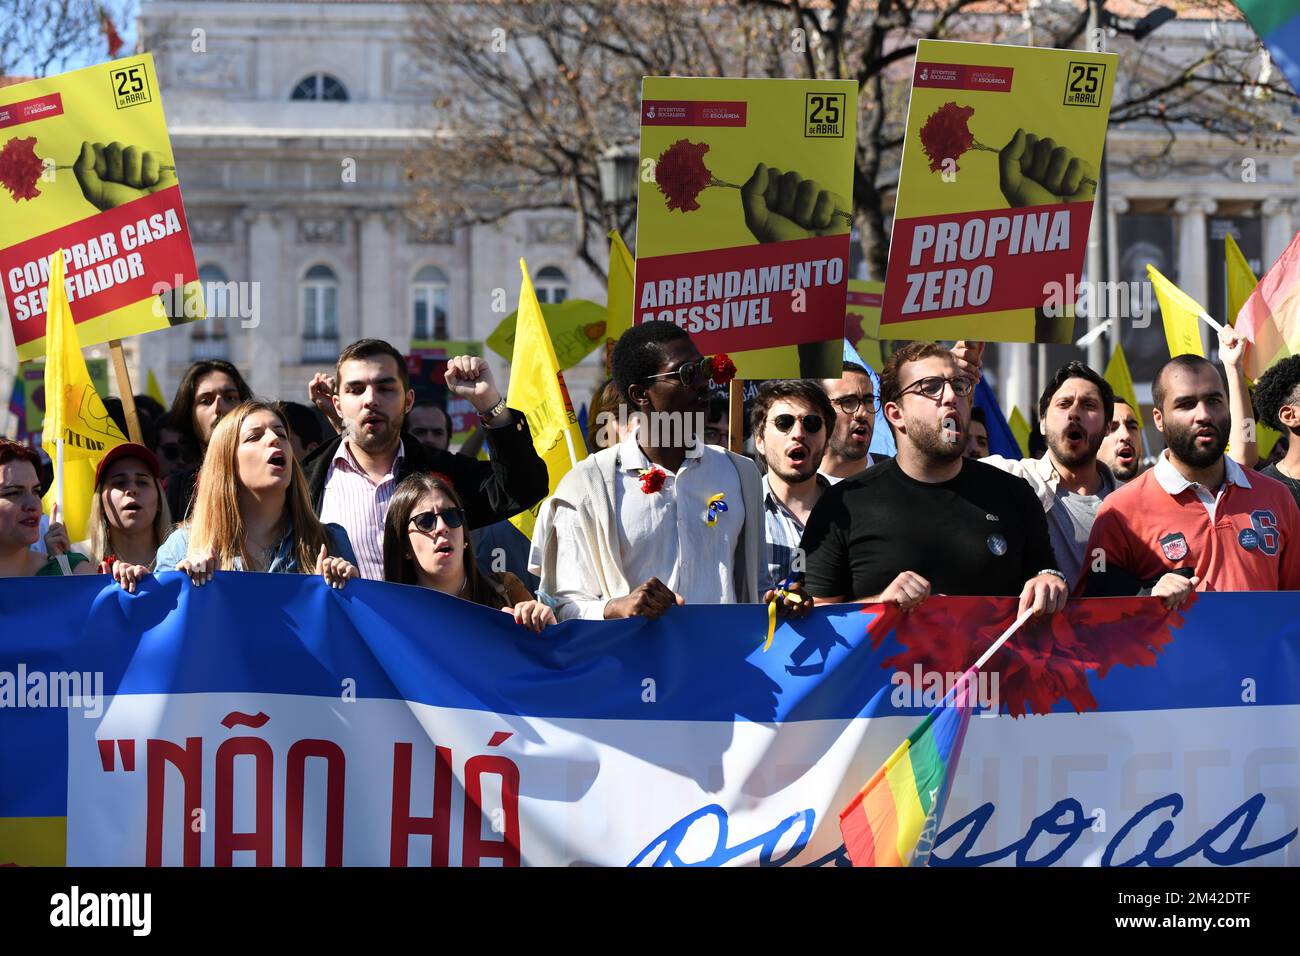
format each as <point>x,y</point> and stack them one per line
<point>932,386</point>
<point>691,373</point>
<point>426,521</point>
<point>812,424</point>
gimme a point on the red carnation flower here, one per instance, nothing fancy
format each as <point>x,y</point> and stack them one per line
<point>20,168</point>
<point>681,174</point>
<point>724,369</point>
<point>1048,660</point>
<point>946,135</point>
<point>652,479</point>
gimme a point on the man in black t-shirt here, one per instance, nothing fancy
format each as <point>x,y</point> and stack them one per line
<point>1277,404</point>
<point>930,520</point>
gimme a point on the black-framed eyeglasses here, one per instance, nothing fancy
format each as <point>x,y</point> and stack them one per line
<point>690,372</point>
<point>932,386</point>
<point>812,424</point>
<point>426,521</point>
<point>849,404</point>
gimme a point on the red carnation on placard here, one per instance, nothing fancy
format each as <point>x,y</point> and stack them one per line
<point>20,168</point>
<point>945,134</point>
<point>724,369</point>
<point>681,174</point>
<point>652,479</point>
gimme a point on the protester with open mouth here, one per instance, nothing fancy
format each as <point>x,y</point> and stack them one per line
<point>129,519</point>
<point>252,511</point>
<point>20,518</point>
<point>1074,414</point>
<point>1197,520</point>
<point>790,420</point>
<point>1121,449</point>
<point>353,476</point>
<point>425,544</point>
<point>848,448</point>
<point>930,520</point>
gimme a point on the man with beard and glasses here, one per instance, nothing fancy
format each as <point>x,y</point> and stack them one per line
<point>353,476</point>
<point>1074,412</point>
<point>790,419</point>
<point>1197,520</point>
<point>930,520</point>
<point>662,518</point>
<point>848,447</point>
<point>1121,449</point>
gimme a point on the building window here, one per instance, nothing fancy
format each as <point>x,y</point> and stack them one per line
<point>320,311</point>
<point>208,336</point>
<point>551,285</point>
<point>429,294</point>
<point>320,86</point>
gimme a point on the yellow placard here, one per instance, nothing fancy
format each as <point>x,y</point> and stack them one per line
<point>999,170</point>
<point>86,166</point>
<point>743,217</point>
<point>862,322</point>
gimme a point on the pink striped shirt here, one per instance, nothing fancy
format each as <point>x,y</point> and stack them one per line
<point>354,501</point>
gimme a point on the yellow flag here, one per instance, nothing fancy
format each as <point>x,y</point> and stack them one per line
<point>1121,381</point>
<point>154,390</point>
<point>1019,430</point>
<point>1180,313</point>
<point>1241,281</point>
<point>619,305</point>
<point>1265,439</point>
<point>73,411</point>
<point>537,389</point>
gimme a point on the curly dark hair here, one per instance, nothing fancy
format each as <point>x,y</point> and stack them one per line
<point>1077,369</point>
<point>1279,386</point>
<point>771,392</point>
<point>639,353</point>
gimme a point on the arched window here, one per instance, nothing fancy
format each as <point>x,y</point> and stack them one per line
<point>429,294</point>
<point>552,285</point>
<point>320,314</point>
<point>320,86</point>
<point>208,336</point>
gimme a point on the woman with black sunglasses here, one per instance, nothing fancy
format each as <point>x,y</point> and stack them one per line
<point>425,544</point>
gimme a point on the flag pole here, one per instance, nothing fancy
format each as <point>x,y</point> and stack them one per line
<point>124,387</point>
<point>736,416</point>
<point>1006,635</point>
<point>64,567</point>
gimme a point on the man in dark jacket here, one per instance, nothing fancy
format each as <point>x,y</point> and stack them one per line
<point>353,476</point>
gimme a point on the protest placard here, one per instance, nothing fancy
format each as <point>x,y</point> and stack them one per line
<point>744,213</point>
<point>999,170</point>
<point>862,322</point>
<point>86,166</point>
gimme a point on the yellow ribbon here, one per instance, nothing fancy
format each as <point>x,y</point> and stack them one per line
<point>771,613</point>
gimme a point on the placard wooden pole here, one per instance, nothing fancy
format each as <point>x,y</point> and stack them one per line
<point>736,417</point>
<point>124,386</point>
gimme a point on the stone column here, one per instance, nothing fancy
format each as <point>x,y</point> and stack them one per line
<point>1278,230</point>
<point>1193,251</point>
<point>1118,205</point>
<point>268,331</point>
<point>380,291</point>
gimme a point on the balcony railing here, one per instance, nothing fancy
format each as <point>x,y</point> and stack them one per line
<point>320,349</point>
<point>209,348</point>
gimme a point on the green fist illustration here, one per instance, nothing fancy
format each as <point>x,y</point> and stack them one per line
<point>113,175</point>
<point>1037,172</point>
<point>780,206</point>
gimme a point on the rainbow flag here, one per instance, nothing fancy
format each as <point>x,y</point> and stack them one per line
<point>894,819</point>
<point>1278,24</point>
<point>1270,319</point>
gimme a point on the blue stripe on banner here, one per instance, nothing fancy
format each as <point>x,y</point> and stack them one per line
<point>290,634</point>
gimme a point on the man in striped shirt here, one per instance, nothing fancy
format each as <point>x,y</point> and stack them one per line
<point>352,478</point>
<point>790,420</point>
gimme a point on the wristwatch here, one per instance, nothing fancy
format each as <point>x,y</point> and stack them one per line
<point>493,412</point>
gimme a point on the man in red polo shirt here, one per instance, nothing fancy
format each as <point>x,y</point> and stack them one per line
<point>1196,520</point>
